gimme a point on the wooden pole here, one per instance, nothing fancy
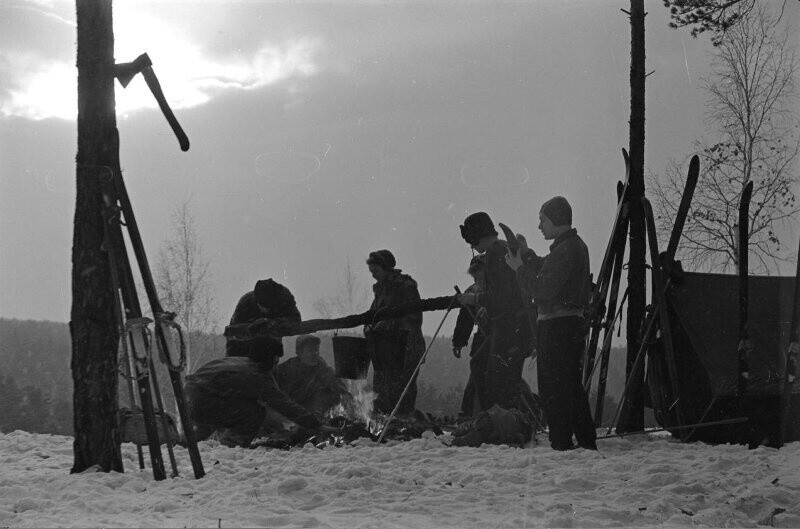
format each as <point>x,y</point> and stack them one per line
<point>93,328</point>
<point>633,414</point>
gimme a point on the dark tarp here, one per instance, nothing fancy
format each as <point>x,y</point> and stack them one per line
<point>704,317</point>
<point>707,307</point>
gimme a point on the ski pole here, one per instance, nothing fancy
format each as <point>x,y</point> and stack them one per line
<point>685,426</point>
<point>416,370</point>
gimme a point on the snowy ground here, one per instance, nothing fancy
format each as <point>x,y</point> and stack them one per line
<point>638,481</point>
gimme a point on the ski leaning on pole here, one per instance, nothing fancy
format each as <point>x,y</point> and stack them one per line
<point>607,286</point>
<point>790,369</point>
<point>667,258</point>
<point>660,301</point>
<point>611,318</point>
<point>138,361</point>
<point>745,345</point>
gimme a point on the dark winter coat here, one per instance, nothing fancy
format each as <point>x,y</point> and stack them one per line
<point>465,323</point>
<point>315,387</point>
<point>510,335</point>
<point>248,311</point>
<point>559,283</point>
<point>396,289</point>
<point>222,384</point>
<point>501,296</point>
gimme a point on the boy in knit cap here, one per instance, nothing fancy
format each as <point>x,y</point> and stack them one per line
<point>509,332</point>
<point>560,284</point>
<point>308,380</point>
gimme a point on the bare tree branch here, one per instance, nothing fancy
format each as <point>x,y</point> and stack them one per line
<point>752,96</point>
<point>184,281</point>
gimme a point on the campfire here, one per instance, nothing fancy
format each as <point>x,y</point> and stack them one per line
<point>355,419</point>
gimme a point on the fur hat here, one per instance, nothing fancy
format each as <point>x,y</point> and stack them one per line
<point>271,294</point>
<point>382,258</point>
<point>558,210</point>
<point>476,226</point>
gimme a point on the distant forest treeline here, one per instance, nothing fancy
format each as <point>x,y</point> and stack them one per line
<point>36,379</point>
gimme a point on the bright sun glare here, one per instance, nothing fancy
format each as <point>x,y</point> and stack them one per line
<point>188,74</point>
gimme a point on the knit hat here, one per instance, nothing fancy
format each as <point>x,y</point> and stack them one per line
<point>476,226</point>
<point>382,258</point>
<point>558,210</point>
<point>305,340</point>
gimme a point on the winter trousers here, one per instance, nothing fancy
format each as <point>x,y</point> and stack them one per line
<point>389,385</point>
<point>507,352</point>
<point>240,419</point>
<point>475,390</point>
<point>566,405</point>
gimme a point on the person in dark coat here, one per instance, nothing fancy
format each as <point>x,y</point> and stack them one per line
<point>468,318</point>
<point>509,328</point>
<point>560,285</point>
<point>391,288</point>
<point>268,299</point>
<point>308,380</point>
<point>231,396</point>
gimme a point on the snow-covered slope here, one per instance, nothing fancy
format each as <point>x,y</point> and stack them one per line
<point>637,481</point>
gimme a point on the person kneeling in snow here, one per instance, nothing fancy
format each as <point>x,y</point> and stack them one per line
<point>308,380</point>
<point>231,395</point>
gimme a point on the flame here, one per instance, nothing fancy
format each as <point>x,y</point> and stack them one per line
<point>359,408</point>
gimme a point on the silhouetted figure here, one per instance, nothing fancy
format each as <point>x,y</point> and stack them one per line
<point>560,285</point>
<point>391,288</point>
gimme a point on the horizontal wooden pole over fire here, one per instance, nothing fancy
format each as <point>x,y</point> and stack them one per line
<point>279,328</point>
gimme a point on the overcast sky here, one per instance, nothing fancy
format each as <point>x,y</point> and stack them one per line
<point>321,131</point>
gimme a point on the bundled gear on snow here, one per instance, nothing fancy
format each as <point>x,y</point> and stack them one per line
<point>497,425</point>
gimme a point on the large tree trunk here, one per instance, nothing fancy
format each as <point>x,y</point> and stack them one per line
<point>632,418</point>
<point>93,327</point>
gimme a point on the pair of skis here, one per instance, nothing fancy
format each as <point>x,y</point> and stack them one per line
<point>658,318</point>
<point>136,337</point>
<point>604,317</point>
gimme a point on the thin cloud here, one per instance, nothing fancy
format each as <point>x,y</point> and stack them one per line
<point>47,14</point>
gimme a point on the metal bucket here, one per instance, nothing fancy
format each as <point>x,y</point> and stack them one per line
<point>350,357</point>
<point>387,349</point>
